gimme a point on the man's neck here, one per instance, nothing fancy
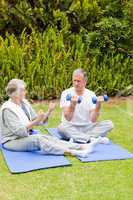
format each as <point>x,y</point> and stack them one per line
<point>80,92</point>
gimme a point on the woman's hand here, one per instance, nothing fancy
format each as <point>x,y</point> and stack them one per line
<point>51,107</point>
<point>35,122</point>
<point>40,117</point>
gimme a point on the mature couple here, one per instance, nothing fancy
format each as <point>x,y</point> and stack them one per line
<point>79,121</point>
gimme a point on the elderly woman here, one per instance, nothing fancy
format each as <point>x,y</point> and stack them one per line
<point>17,119</point>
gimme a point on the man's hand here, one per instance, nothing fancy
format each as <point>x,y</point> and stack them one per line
<point>100,99</point>
<point>69,110</point>
<point>74,100</point>
<point>94,114</point>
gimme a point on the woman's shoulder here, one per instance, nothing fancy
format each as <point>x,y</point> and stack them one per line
<point>25,101</point>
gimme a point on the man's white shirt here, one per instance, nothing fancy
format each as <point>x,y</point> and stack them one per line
<point>81,115</point>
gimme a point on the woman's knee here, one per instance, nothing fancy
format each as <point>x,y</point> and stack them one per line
<point>8,146</point>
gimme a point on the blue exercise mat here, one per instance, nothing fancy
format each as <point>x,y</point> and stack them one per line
<point>54,132</point>
<point>19,162</point>
<point>107,152</point>
<point>102,151</point>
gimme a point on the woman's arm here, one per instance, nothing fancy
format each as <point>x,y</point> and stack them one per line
<point>13,123</point>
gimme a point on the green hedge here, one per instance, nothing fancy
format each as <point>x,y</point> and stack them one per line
<point>45,61</point>
<point>43,41</point>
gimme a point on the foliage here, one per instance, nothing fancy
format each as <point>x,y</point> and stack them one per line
<point>43,41</point>
<point>46,64</point>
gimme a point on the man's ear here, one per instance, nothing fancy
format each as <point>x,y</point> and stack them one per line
<point>85,83</point>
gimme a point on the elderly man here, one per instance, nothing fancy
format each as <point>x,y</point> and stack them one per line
<point>17,119</point>
<point>79,119</point>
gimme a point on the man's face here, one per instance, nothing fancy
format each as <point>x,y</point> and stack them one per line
<point>79,82</point>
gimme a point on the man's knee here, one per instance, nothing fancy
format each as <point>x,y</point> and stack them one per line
<point>61,128</point>
<point>64,131</point>
<point>109,124</point>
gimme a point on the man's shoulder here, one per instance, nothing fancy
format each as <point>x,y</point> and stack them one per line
<point>89,92</point>
<point>68,90</point>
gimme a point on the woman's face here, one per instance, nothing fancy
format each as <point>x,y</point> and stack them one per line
<point>22,93</point>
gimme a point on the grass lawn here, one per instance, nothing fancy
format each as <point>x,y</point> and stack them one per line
<point>105,180</point>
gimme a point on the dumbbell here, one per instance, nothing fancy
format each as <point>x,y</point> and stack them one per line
<point>94,99</point>
<point>69,97</point>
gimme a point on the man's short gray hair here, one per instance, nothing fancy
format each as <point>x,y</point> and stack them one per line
<point>80,71</point>
<point>14,86</point>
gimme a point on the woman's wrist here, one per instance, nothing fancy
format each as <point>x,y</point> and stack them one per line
<point>47,114</point>
<point>32,123</point>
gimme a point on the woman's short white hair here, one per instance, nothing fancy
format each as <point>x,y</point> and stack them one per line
<point>14,87</point>
<point>80,71</point>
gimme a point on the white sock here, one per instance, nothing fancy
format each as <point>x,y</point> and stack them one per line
<point>101,140</point>
<point>104,140</point>
<point>80,153</point>
<point>89,148</point>
<point>71,140</point>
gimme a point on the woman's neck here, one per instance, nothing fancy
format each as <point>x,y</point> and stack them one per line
<point>16,101</point>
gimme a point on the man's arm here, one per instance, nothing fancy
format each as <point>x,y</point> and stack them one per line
<point>69,110</point>
<point>94,113</point>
